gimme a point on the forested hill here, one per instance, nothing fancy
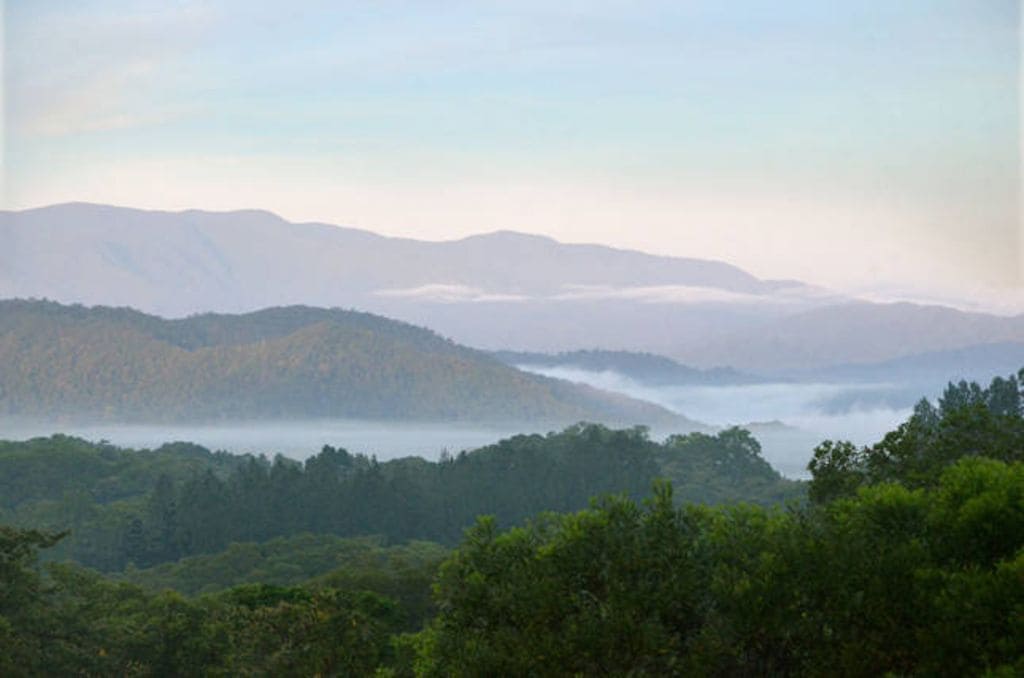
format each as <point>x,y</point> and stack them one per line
<point>289,362</point>
<point>181,500</point>
<point>906,558</point>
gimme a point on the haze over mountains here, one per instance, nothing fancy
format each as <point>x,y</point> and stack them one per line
<point>893,385</point>
<point>644,368</point>
<point>497,291</point>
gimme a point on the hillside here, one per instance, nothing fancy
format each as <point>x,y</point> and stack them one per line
<point>919,529</point>
<point>296,362</point>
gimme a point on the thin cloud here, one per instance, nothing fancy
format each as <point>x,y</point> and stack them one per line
<point>448,294</point>
<point>678,294</point>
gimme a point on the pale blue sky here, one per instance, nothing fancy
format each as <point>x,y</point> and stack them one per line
<point>852,144</point>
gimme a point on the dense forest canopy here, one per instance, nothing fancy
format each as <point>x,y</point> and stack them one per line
<point>969,421</point>
<point>148,507</point>
<point>907,560</point>
<point>299,362</point>
<point>894,580</point>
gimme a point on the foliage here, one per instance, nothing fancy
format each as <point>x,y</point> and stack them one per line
<point>908,561</point>
<point>98,492</point>
<point>251,629</point>
<point>722,468</point>
<point>400,572</point>
<point>970,421</point>
<point>893,580</point>
<point>152,507</point>
<point>23,636</point>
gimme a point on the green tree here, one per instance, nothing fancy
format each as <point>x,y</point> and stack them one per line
<point>838,468</point>
<point>25,628</point>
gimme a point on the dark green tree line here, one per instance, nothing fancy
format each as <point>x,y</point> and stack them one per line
<point>180,501</point>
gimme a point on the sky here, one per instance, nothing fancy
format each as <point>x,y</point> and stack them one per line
<point>868,146</point>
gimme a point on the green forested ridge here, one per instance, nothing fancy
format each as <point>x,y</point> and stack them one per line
<point>156,506</point>
<point>909,560</point>
<point>120,364</point>
<point>892,582</point>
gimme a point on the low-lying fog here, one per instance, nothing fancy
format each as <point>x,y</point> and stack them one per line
<point>295,439</point>
<point>787,449</point>
<point>812,412</point>
<point>857,411</point>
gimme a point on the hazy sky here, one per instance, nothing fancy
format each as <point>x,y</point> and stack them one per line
<point>861,144</point>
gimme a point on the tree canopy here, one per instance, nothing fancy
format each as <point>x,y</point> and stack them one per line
<point>908,560</point>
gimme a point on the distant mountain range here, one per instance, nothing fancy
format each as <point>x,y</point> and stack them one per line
<point>289,363</point>
<point>979,362</point>
<point>497,291</point>
<point>856,334</point>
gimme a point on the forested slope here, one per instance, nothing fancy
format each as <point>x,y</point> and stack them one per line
<point>908,560</point>
<point>145,508</point>
<point>295,362</point>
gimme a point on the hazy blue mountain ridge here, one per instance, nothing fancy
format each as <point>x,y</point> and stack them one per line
<point>497,291</point>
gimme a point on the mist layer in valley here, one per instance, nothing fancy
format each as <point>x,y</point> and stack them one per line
<point>294,439</point>
<point>789,418</point>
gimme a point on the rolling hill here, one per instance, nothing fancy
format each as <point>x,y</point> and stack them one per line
<point>296,362</point>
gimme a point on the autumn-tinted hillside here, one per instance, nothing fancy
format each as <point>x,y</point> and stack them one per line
<point>292,362</point>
